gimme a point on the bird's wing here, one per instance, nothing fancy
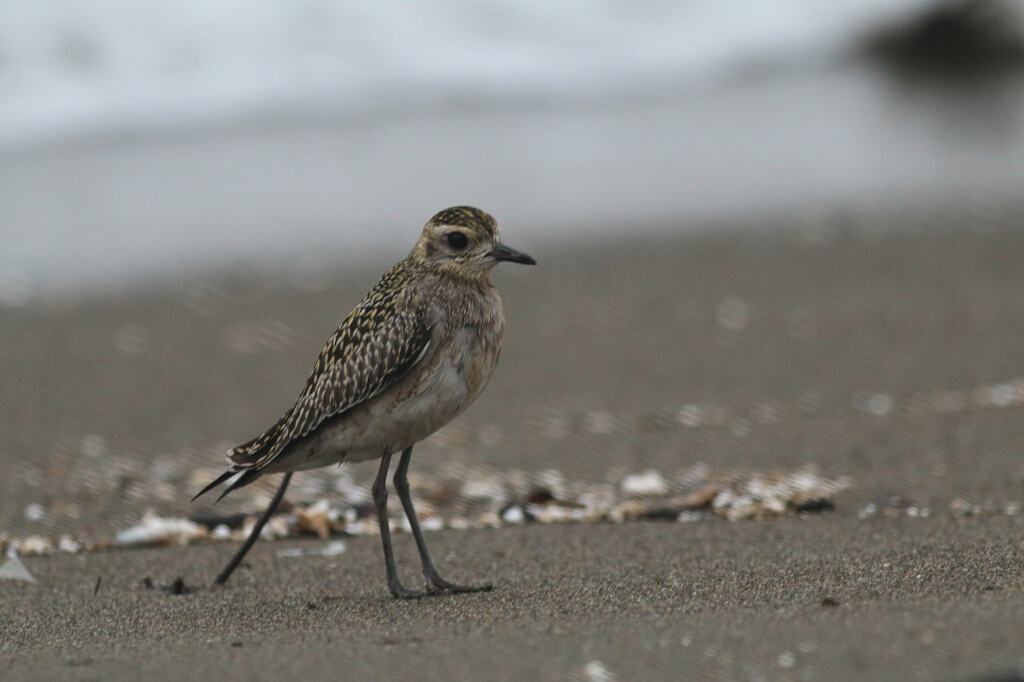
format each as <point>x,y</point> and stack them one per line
<point>374,347</point>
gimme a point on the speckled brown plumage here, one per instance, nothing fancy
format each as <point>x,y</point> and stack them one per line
<point>466,216</point>
<point>413,355</point>
<point>403,330</point>
<point>376,344</point>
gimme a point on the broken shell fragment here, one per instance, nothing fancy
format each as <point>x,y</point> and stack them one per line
<point>13,569</point>
<point>315,520</point>
<point>648,484</point>
<point>155,531</point>
<point>35,545</point>
<point>459,498</point>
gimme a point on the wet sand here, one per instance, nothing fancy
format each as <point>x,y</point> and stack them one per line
<point>924,599</point>
<point>860,344</point>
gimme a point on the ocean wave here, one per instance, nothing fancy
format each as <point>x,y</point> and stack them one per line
<point>81,66</point>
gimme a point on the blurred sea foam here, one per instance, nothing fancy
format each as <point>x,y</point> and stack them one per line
<point>141,139</point>
<point>105,66</point>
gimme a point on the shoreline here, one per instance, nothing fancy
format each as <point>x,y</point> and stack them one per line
<point>841,136</point>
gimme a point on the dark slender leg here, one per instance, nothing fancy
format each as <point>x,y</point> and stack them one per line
<point>254,535</point>
<point>435,583</point>
<point>380,500</point>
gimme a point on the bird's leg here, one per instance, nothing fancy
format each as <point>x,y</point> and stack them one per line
<point>255,534</point>
<point>380,500</point>
<point>435,583</point>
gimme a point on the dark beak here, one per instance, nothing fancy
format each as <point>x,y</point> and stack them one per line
<point>502,252</point>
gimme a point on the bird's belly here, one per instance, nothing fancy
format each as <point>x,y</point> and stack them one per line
<point>445,395</point>
<point>407,413</point>
<point>460,375</point>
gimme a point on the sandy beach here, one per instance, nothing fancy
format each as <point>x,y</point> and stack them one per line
<point>884,347</point>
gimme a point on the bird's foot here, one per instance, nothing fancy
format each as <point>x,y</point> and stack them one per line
<point>438,585</point>
<point>401,592</point>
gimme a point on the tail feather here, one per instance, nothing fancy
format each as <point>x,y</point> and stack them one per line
<point>249,458</point>
<point>247,477</point>
<point>263,448</point>
<point>220,479</point>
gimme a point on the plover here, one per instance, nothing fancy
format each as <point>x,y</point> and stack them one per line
<point>412,356</point>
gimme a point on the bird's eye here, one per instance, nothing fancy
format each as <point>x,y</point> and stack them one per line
<point>457,240</point>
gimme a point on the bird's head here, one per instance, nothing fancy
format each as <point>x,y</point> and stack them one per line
<point>464,242</point>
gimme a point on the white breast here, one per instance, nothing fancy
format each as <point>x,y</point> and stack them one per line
<point>462,370</point>
<point>445,394</point>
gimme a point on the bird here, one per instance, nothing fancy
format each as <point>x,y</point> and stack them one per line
<point>412,356</point>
